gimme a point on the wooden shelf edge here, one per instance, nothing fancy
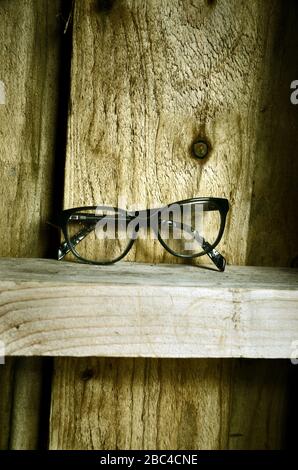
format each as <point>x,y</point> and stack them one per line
<point>134,310</point>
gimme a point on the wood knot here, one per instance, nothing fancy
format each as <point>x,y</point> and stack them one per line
<point>104,5</point>
<point>87,374</point>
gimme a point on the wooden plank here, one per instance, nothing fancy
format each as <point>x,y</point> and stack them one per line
<point>29,71</point>
<point>149,311</point>
<point>261,415</point>
<point>247,312</point>
<point>26,404</point>
<point>152,83</point>
<point>153,398</point>
<point>273,227</point>
<point>259,390</point>
<point>29,38</point>
<point>148,79</point>
<point>6,402</point>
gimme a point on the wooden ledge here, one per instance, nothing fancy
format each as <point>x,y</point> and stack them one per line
<point>128,309</point>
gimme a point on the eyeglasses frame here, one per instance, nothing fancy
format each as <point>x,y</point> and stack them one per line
<point>221,203</point>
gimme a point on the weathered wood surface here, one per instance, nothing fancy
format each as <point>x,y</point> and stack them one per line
<point>273,226</point>
<point>26,409</point>
<point>6,402</point>
<point>147,79</point>
<point>29,70</point>
<point>164,403</point>
<point>20,405</point>
<point>148,311</point>
<point>29,38</point>
<point>258,391</point>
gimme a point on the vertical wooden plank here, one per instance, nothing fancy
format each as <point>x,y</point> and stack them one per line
<point>147,79</point>
<point>6,390</point>
<point>260,390</point>
<point>273,227</point>
<point>29,37</point>
<point>26,408</point>
<point>139,403</point>
<point>259,404</point>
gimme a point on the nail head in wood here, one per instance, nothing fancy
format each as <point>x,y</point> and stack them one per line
<point>200,149</point>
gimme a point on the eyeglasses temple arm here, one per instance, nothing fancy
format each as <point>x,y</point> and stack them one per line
<point>64,247</point>
<point>217,258</point>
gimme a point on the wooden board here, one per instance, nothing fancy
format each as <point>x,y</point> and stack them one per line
<point>29,38</point>
<point>147,80</point>
<point>262,414</point>
<point>258,391</point>
<point>273,227</point>
<point>6,403</point>
<point>153,398</point>
<point>137,310</point>
<point>138,393</point>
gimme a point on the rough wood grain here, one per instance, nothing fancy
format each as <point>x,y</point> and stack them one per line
<point>147,79</point>
<point>273,227</point>
<point>259,391</point>
<point>260,396</point>
<point>6,402</point>
<point>28,70</point>
<point>152,398</point>
<point>26,409</point>
<point>29,37</point>
<point>149,311</point>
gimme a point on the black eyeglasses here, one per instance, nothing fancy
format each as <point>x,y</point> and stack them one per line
<point>104,234</point>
